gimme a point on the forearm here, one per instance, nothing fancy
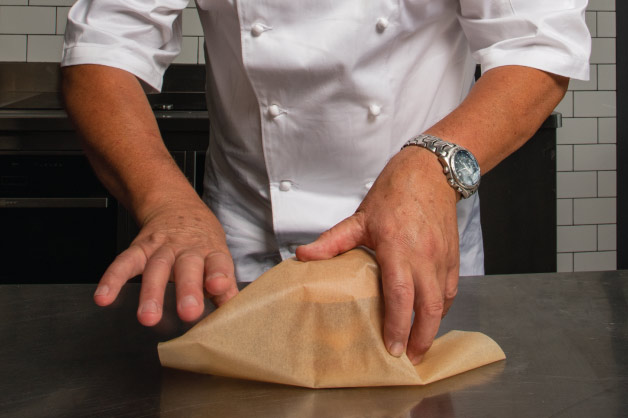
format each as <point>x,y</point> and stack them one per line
<point>120,136</point>
<point>503,110</point>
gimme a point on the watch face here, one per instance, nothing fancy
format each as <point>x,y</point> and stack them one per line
<point>466,168</point>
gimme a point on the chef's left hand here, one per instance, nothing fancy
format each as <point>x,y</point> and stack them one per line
<point>409,219</point>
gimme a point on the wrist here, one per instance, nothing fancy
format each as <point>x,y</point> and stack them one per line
<point>163,193</point>
<point>428,171</point>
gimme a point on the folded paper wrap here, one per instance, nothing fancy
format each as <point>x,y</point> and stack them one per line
<point>317,324</point>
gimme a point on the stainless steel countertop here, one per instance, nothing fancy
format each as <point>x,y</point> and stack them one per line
<point>565,336</point>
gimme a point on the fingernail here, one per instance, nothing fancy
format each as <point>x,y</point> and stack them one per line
<point>102,290</point>
<point>189,302</point>
<point>149,307</point>
<point>396,349</point>
<point>415,359</point>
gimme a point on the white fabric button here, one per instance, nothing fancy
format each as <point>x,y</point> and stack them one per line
<point>375,110</point>
<point>285,185</point>
<point>274,110</point>
<point>382,24</point>
<point>257,29</point>
<point>368,185</point>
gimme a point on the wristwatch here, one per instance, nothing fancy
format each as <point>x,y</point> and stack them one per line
<point>459,165</point>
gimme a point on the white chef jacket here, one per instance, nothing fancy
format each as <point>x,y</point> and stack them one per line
<point>308,99</point>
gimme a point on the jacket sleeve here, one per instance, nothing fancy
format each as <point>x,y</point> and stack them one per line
<point>141,37</point>
<point>550,35</point>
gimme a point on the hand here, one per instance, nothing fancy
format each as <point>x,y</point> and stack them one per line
<point>184,243</point>
<point>409,219</point>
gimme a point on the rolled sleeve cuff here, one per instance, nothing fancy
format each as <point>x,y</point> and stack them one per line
<point>544,59</point>
<point>150,75</point>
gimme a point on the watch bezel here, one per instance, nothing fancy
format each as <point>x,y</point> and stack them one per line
<point>452,162</point>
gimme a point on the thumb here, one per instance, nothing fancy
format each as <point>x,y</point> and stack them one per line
<point>343,237</point>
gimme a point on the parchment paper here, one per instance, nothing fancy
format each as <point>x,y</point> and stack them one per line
<point>317,324</point>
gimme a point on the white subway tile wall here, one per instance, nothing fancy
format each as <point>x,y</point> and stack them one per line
<point>577,130</point>
<point>564,157</point>
<point>602,5</point>
<point>587,177</point>
<point>606,238</point>
<point>594,157</point>
<point>62,18</point>
<point>606,184</point>
<point>594,103</point>
<point>606,77</point>
<point>594,261</point>
<point>564,208</point>
<point>44,48</point>
<point>13,48</point>
<point>574,184</point>
<point>27,20</point>
<point>564,262</point>
<point>606,24</point>
<point>565,107</point>
<point>595,211</point>
<point>577,238</point>
<point>607,133</point>
<point>31,30</point>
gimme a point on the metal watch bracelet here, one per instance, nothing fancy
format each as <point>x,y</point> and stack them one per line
<point>463,172</point>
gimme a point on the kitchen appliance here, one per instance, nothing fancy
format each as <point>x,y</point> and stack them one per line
<point>55,216</point>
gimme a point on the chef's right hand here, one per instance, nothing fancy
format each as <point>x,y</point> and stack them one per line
<point>184,243</point>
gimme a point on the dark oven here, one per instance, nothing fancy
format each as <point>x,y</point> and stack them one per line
<point>58,222</point>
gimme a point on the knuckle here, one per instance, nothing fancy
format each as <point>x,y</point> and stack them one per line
<point>396,331</point>
<point>358,218</point>
<point>391,231</point>
<point>161,260</point>
<point>453,260</point>
<point>189,257</point>
<point>157,237</point>
<point>217,256</point>
<point>422,346</point>
<point>400,291</point>
<point>219,262</point>
<point>432,309</point>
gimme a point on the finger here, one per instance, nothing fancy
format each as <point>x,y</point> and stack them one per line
<point>342,237</point>
<point>220,280</point>
<point>127,265</point>
<point>154,280</point>
<point>398,291</point>
<point>451,289</point>
<point>452,269</point>
<point>428,310</point>
<point>188,279</point>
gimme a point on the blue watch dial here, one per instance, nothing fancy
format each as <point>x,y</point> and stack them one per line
<point>466,168</point>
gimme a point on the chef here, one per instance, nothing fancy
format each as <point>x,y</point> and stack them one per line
<point>333,125</point>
